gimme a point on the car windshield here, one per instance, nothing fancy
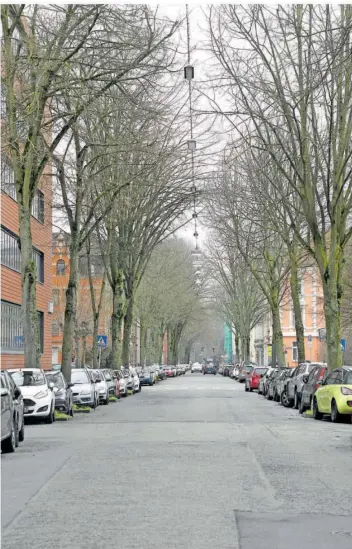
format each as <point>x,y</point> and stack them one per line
<point>310,367</point>
<point>56,379</point>
<point>28,379</point>
<point>79,377</point>
<point>247,367</point>
<point>347,377</point>
<point>107,376</point>
<point>260,370</point>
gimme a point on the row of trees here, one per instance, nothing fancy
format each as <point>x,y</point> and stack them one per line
<point>283,193</point>
<point>94,98</point>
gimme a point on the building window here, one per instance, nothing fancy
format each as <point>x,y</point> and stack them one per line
<point>38,257</point>
<point>38,206</point>
<point>12,339</point>
<point>294,351</point>
<point>8,179</point>
<point>10,252</point>
<point>11,327</point>
<point>60,267</point>
<point>55,328</point>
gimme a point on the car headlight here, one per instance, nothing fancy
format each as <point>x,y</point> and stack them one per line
<point>86,392</point>
<point>346,391</point>
<point>42,394</point>
<point>101,390</point>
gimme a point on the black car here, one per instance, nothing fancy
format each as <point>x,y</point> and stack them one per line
<point>311,383</point>
<point>62,391</point>
<point>275,382</point>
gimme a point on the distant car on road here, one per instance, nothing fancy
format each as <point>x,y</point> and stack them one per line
<point>334,397</point>
<point>62,391</point>
<point>37,392</point>
<point>196,367</point>
<point>209,369</point>
<point>253,378</point>
<point>102,386</point>
<point>244,371</point>
<point>146,377</point>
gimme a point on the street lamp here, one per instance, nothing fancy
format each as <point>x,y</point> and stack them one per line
<point>191,144</point>
<point>189,72</point>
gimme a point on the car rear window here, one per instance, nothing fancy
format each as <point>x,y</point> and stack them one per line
<point>260,370</point>
<point>347,377</point>
<point>247,367</point>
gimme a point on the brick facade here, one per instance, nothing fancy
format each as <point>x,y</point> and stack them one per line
<point>11,279</point>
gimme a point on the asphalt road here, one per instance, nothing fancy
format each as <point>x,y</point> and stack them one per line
<point>194,462</point>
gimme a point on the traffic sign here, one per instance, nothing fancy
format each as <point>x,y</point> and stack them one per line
<point>310,338</point>
<point>343,345</point>
<point>102,340</point>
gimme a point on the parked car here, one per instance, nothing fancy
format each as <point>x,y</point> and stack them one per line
<point>161,373</point>
<point>62,391</point>
<point>221,370</point>
<point>244,371</point>
<point>122,383</point>
<point>171,371</point>
<point>235,372</point>
<point>37,392</point>
<point>146,377</point>
<point>110,381</point>
<point>196,367</point>
<point>136,386</point>
<point>12,416</point>
<point>280,380</point>
<point>283,394</point>
<point>271,384</point>
<point>209,369</point>
<point>84,390</point>
<point>102,386</point>
<point>334,397</point>
<point>227,369</point>
<point>295,383</point>
<point>266,380</point>
<point>311,384</point>
<point>253,378</point>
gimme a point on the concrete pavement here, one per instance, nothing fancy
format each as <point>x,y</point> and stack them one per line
<point>193,462</point>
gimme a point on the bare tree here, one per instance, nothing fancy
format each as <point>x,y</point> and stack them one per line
<point>49,51</point>
<point>289,90</point>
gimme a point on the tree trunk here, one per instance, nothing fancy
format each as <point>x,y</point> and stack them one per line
<point>248,347</point>
<point>84,349</point>
<point>116,324</point>
<point>127,326</point>
<point>278,355</point>
<point>237,347</point>
<point>95,350</point>
<point>332,311</point>
<point>29,308</point>
<point>143,336</point>
<point>70,308</point>
<point>295,294</point>
<point>77,352</point>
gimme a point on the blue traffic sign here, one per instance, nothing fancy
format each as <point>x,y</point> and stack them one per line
<point>102,340</point>
<point>310,338</point>
<point>343,345</point>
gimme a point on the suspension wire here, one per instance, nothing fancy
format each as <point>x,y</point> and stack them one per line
<point>194,189</point>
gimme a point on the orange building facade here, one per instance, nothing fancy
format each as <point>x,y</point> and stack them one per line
<point>311,297</point>
<point>12,355</point>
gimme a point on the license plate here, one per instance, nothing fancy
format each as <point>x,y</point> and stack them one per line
<point>25,410</point>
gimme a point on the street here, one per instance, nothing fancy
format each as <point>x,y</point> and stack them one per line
<point>193,462</point>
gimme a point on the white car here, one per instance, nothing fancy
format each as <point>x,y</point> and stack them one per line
<point>196,367</point>
<point>102,386</point>
<point>136,383</point>
<point>37,393</point>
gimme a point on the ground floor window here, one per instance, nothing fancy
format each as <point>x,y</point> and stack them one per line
<point>12,339</point>
<point>294,351</point>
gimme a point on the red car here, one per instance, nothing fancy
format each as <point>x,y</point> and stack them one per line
<point>253,378</point>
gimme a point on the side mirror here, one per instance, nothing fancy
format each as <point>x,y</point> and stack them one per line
<point>70,384</point>
<point>305,379</point>
<point>97,381</point>
<point>51,385</point>
<point>17,392</point>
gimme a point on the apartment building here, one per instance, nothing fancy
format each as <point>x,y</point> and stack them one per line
<point>12,341</point>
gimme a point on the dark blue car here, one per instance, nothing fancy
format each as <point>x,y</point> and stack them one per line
<point>209,369</point>
<point>146,377</point>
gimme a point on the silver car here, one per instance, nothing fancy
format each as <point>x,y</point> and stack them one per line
<point>102,386</point>
<point>83,390</point>
<point>295,383</point>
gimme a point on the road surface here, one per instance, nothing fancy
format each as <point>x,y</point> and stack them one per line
<point>193,462</point>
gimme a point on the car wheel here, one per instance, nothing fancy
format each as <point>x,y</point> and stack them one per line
<point>21,432</point>
<point>302,407</point>
<point>336,417</point>
<point>9,444</point>
<point>284,399</point>
<point>316,413</point>
<point>296,401</point>
<point>71,413</point>
<point>106,401</point>
<point>50,417</point>
<point>250,389</point>
<point>246,388</point>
